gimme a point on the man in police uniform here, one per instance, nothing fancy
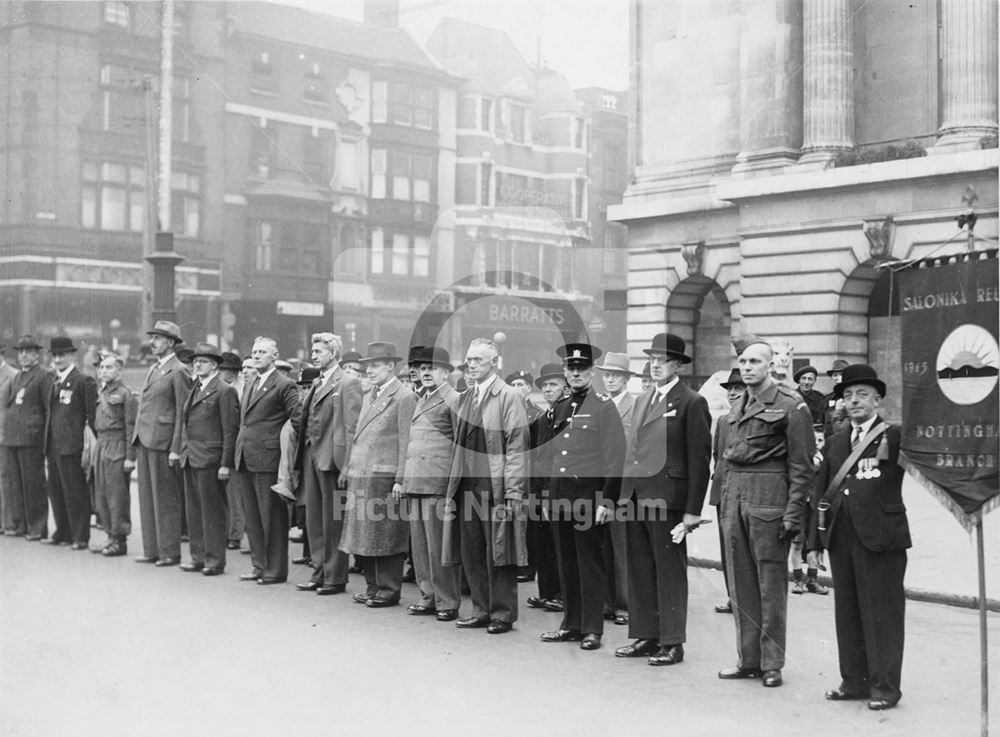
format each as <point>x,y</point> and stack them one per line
<point>667,472</point>
<point>588,451</point>
<point>769,468</point>
<point>861,520</point>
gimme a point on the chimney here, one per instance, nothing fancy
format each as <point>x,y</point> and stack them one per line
<point>384,13</point>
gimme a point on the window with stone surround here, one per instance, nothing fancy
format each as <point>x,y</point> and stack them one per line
<point>113,196</point>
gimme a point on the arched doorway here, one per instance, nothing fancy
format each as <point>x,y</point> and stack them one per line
<point>699,311</point>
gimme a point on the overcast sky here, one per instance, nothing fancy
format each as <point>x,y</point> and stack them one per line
<point>586,40</point>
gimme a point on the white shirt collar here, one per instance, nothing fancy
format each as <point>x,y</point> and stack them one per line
<point>261,378</point>
<point>324,376</point>
<point>208,380</point>
<point>617,399</point>
<point>65,372</point>
<point>482,386</point>
<point>866,425</point>
<point>380,389</point>
<point>162,360</point>
<point>668,386</point>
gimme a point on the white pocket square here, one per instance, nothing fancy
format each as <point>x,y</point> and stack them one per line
<point>671,413</point>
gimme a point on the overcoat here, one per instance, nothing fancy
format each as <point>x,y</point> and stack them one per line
<point>432,443</point>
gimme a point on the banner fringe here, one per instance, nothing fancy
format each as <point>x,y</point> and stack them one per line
<point>968,521</point>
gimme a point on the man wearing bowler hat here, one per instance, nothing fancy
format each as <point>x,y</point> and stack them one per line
<point>7,376</point>
<point>158,437</point>
<point>666,477</point>
<point>860,518</point>
<point>375,530</point>
<point>72,405</point>
<point>330,412</point>
<point>615,373</point>
<point>24,442</point>
<point>588,451</point>
<point>208,444</point>
<point>425,482</point>
<point>769,469</point>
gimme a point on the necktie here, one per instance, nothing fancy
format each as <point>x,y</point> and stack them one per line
<point>855,438</point>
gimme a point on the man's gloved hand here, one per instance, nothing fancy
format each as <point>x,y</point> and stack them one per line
<point>788,533</point>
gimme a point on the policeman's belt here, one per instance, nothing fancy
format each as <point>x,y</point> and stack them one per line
<point>771,466</point>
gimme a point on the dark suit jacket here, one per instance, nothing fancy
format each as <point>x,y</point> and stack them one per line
<point>161,408</point>
<point>27,408</point>
<point>211,422</point>
<point>670,450</point>
<point>270,406</point>
<point>7,375</point>
<point>329,418</point>
<point>875,504</point>
<point>72,406</point>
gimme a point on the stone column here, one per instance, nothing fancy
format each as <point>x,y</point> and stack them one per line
<point>968,73</point>
<point>828,70</point>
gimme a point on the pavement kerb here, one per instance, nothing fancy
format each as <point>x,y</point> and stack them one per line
<point>933,597</point>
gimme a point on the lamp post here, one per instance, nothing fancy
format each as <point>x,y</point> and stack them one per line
<point>164,260</point>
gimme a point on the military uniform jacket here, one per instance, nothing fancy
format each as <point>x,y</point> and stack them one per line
<point>872,493</point>
<point>7,375</point>
<point>588,449</point>
<point>432,443</point>
<point>161,407</point>
<point>72,404</point>
<point>114,421</point>
<point>769,454</point>
<point>671,444</point>
<point>329,420</point>
<point>27,408</point>
<point>211,423</point>
<point>264,413</point>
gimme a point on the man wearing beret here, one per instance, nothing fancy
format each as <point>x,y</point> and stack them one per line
<point>208,442</point>
<point>588,451</point>
<point>71,410</point>
<point>24,440</point>
<point>805,377</point>
<point>666,473</point>
<point>769,469</point>
<point>158,437</point>
<point>860,518</point>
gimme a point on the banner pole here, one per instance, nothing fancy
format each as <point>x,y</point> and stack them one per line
<point>984,665</point>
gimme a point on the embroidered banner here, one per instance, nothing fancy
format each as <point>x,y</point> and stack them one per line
<point>950,309</point>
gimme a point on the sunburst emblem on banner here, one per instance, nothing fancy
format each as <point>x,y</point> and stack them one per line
<point>968,364</point>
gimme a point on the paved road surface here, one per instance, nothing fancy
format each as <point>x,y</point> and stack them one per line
<point>110,648</point>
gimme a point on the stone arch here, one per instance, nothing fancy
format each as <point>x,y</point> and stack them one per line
<point>699,311</point>
<point>868,327</point>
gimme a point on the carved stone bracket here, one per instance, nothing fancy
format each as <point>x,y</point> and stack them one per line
<point>879,235</point>
<point>694,256</point>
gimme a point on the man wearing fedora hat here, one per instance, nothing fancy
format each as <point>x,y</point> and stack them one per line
<point>861,520</point>
<point>375,530</point>
<point>330,412</point>
<point>24,441</point>
<point>158,437</point>
<point>72,404</point>
<point>734,387</point>
<point>208,443</point>
<point>7,375</point>
<point>425,482</point>
<point>615,372</point>
<point>835,416</point>
<point>666,473</point>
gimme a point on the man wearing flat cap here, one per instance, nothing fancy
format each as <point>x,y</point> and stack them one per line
<point>666,473</point>
<point>588,451</point>
<point>71,409</point>
<point>615,373</point>
<point>769,469</point>
<point>861,520</point>
<point>208,445</point>
<point>24,442</point>
<point>158,437</point>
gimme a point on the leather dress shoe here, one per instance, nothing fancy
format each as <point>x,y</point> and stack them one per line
<point>146,559</point>
<point>79,546</point>
<point>269,581</point>
<point>498,627</point>
<point>535,602</point>
<point>410,576</point>
<point>554,605</point>
<point>771,678</point>
<point>621,618</point>
<point>208,571</point>
<point>880,704</point>
<point>562,636</point>
<point>447,615</point>
<point>638,648</point>
<point>329,589</point>
<point>420,610</point>
<point>250,576</point>
<point>361,597</point>
<point>301,560</point>
<point>591,641</point>
<point>99,550</point>
<point>729,674</point>
<point>726,608</point>
<point>308,585</point>
<point>32,538</point>
<point>192,567</point>
<point>667,655</point>
<point>164,562</point>
<point>233,545</point>
<point>472,623</point>
<point>377,602</point>
<point>114,550</point>
<point>838,694</point>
